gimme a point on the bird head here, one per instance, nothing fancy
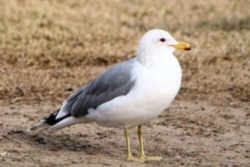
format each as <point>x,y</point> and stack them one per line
<point>157,40</point>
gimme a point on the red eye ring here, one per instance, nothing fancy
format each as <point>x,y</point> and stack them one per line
<point>162,39</point>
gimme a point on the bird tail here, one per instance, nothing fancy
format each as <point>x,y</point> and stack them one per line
<point>53,123</point>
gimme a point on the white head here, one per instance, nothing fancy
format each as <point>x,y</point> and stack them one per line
<point>158,43</point>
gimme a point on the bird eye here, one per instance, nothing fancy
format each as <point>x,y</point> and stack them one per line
<point>162,39</point>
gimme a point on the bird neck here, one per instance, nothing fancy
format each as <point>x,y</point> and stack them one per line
<point>154,58</point>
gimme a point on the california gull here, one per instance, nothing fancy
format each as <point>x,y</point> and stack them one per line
<point>127,94</point>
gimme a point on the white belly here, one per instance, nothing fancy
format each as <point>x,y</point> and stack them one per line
<point>146,101</point>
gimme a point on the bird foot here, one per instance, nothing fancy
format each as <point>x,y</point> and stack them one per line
<point>144,158</point>
<point>132,158</point>
<point>152,158</point>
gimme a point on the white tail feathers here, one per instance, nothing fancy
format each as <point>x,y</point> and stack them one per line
<point>41,125</point>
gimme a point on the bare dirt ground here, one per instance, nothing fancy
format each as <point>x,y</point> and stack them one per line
<point>187,134</point>
<point>48,49</point>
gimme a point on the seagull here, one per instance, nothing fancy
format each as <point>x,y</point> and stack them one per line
<point>127,94</point>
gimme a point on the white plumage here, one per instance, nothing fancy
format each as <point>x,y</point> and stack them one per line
<point>130,93</point>
<point>156,87</point>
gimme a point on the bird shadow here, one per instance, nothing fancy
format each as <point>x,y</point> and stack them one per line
<point>56,142</point>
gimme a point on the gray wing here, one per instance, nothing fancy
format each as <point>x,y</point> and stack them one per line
<point>115,81</point>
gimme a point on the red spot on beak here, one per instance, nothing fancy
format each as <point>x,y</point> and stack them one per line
<point>188,48</point>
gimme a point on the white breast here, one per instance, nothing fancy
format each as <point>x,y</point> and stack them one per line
<point>155,89</point>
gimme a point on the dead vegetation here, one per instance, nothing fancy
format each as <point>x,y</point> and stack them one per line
<point>55,45</point>
<point>48,49</point>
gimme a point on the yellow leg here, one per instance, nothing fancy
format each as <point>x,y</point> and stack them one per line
<point>142,155</point>
<point>130,156</point>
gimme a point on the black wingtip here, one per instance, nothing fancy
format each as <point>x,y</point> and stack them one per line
<point>52,120</point>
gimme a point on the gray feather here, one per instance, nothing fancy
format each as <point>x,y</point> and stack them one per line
<point>115,81</point>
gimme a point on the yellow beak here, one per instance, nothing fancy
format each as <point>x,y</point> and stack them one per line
<point>182,45</point>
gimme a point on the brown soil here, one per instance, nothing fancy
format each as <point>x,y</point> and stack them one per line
<point>48,49</point>
<point>187,134</point>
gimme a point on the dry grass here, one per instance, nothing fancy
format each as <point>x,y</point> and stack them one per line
<point>48,49</point>
<point>47,46</point>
